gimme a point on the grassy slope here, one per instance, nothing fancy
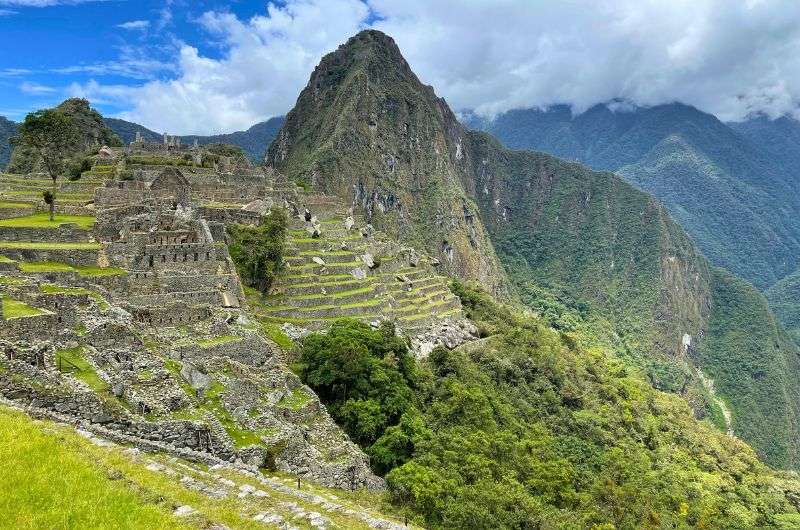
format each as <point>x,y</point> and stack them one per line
<point>52,478</point>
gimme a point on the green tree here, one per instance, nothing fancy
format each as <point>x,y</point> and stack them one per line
<point>52,135</point>
<point>257,251</point>
<point>50,200</point>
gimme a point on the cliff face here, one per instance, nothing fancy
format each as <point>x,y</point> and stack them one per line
<point>365,128</point>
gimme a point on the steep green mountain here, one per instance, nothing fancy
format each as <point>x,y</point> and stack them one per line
<point>365,128</point>
<point>92,129</point>
<point>737,199</point>
<point>779,137</point>
<point>585,249</point>
<point>253,140</point>
<point>784,299</point>
<point>7,129</point>
<point>600,244</point>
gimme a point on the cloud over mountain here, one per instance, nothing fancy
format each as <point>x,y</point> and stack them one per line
<point>727,58</point>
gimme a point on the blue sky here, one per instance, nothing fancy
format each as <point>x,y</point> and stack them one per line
<point>45,49</point>
<point>209,66</point>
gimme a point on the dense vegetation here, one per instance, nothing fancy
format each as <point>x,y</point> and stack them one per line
<point>784,299</point>
<point>253,141</point>
<point>91,133</point>
<point>257,251</point>
<point>731,186</point>
<point>748,355</point>
<point>525,429</point>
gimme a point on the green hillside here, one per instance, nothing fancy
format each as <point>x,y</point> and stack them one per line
<point>784,299</point>
<point>527,429</point>
<point>733,187</point>
<point>92,133</point>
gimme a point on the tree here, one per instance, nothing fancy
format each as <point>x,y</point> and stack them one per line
<point>52,135</point>
<point>50,200</point>
<point>257,251</point>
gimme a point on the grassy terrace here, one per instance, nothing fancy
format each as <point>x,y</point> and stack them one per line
<point>54,478</point>
<point>48,288</point>
<point>55,266</point>
<point>37,245</point>
<point>74,360</point>
<point>17,309</point>
<point>218,341</point>
<point>42,220</point>
<point>13,204</point>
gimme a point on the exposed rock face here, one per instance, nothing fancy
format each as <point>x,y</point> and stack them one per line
<point>365,128</point>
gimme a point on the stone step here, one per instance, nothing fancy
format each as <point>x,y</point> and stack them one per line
<point>328,268</point>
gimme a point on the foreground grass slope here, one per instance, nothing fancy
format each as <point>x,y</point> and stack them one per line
<point>52,477</point>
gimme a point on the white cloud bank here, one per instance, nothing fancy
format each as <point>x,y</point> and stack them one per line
<point>727,57</point>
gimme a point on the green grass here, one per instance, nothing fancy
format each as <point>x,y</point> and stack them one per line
<point>74,361</point>
<point>42,220</point>
<point>12,280</point>
<point>296,400</point>
<point>274,332</point>
<point>37,245</point>
<point>5,259</point>
<point>11,204</point>
<point>54,479</point>
<point>17,309</point>
<point>55,266</point>
<point>57,289</point>
<point>217,341</point>
<point>44,266</point>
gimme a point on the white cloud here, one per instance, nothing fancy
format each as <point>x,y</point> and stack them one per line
<point>728,58</point>
<point>267,61</point>
<point>35,89</point>
<point>135,25</point>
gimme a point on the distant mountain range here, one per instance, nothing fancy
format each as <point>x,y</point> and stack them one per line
<point>254,140</point>
<point>733,186</point>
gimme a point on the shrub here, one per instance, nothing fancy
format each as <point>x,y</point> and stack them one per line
<point>257,251</point>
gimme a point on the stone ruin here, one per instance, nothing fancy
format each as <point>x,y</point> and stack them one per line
<point>168,350</point>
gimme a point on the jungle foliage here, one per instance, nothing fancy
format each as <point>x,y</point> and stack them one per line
<point>526,429</point>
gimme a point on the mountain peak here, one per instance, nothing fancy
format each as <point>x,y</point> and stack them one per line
<point>365,128</point>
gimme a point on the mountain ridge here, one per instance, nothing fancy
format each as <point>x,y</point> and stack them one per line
<point>740,205</point>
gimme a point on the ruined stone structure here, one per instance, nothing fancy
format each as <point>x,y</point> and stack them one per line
<point>141,324</point>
